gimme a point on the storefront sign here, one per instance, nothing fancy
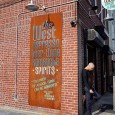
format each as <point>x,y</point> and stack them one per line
<point>46,61</point>
<point>108,4</point>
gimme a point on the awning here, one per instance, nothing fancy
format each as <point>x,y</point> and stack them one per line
<point>95,38</point>
<point>102,31</point>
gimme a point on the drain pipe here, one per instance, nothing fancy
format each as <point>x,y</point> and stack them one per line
<point>16,69</point>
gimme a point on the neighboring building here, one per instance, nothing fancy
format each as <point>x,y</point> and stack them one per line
<point>77,46</point>
<point>112,31</point>
<point>112,44</point>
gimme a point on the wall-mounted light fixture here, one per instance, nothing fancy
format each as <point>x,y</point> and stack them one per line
<point>73,23</point>
<point>33,7</point>
<point>108,18</point>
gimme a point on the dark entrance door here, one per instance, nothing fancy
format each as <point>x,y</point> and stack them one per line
<point>103,73</point>
<point>91,53</point>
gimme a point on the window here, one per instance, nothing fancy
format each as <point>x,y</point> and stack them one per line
<point>113,30</point>
<point>101,13</point>
<point>95,4</point>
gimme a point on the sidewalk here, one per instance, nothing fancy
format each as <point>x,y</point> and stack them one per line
<point>104,106</point>
<point>13,111</point>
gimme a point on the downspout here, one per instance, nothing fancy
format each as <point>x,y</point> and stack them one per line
<point>16,69</point>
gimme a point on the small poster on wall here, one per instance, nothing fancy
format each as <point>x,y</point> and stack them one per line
<point>46,61</point>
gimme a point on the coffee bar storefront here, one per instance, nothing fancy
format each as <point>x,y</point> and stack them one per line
<point>98,51</point>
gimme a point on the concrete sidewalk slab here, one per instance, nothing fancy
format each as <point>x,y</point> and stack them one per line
<point>13,111</point>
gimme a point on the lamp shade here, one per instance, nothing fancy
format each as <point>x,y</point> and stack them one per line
<point>31,6</point>
<point>108,18</point>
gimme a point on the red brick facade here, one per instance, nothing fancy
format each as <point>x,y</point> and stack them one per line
<point>16,44</point>
<point>8,47</point>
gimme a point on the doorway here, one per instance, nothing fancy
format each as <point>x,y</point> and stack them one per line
<point>91,57</point>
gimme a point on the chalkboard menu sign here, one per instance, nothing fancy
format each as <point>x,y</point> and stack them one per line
<point>46,61</point>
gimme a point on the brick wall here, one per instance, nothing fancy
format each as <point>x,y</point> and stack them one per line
<point>8,37</point>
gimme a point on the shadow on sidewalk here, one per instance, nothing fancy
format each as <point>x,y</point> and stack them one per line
<point>104,105</point>
<point>103,108</point>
